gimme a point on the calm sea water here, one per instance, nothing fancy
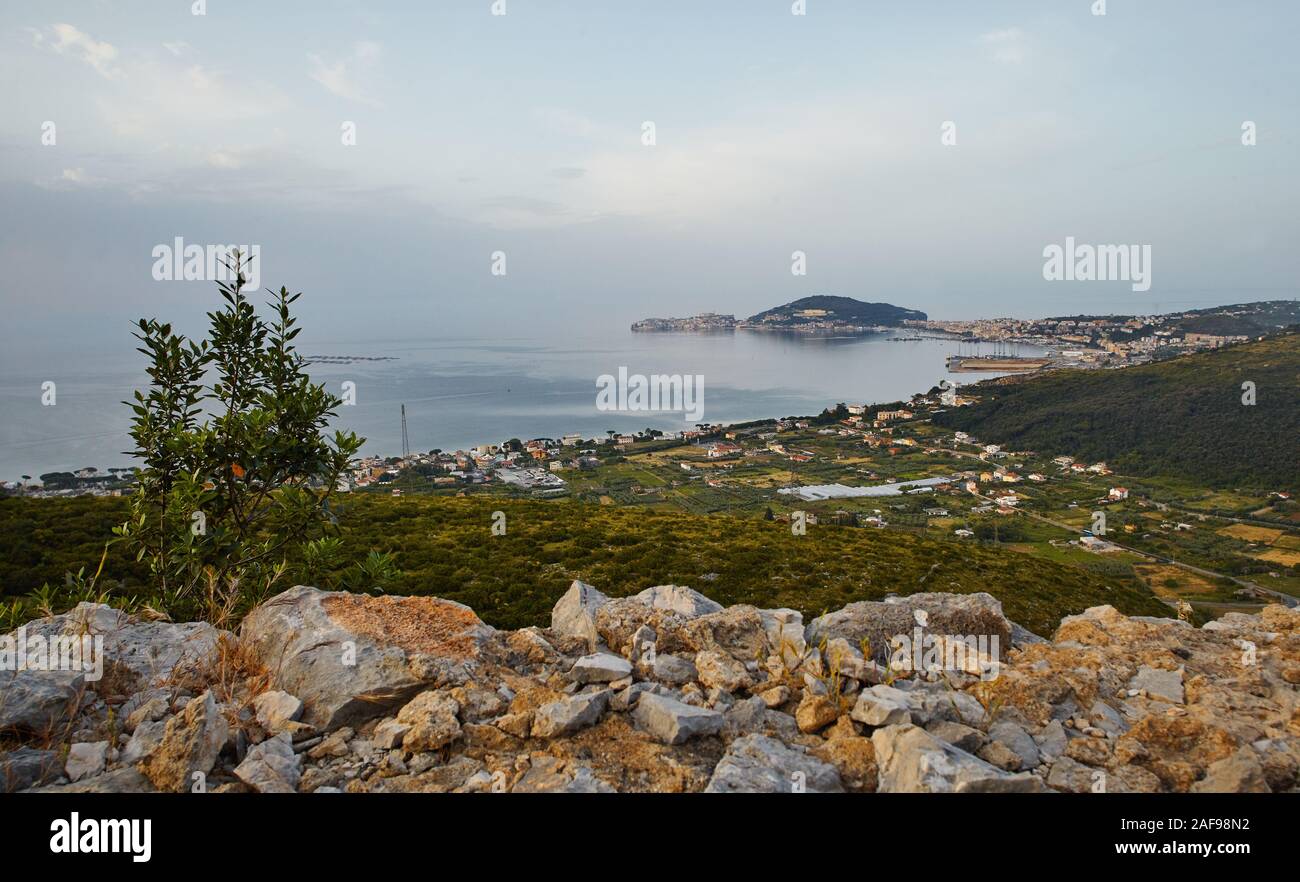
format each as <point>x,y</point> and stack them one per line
<point>461,392</point>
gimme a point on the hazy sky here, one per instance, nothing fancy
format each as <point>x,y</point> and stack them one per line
<point>523,133</point>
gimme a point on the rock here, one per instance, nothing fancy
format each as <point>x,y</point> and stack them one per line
<point>138,654</point>
<point>86,759</point>
<point>144,741</point>
<point>151,711</point>
<point>518,725</point>
<point>272,766</point>
<point>1069,776</point>
<point>478,704</point>
<point>569,714</point>
<point>1051,741</point>
<point>1165,685</point>
<point>333,745</point>
<point>191,742</point>
<point>776,696</point>
<point>39,702</point>
<point>431,717</point>
<point>27,767</point>
<point>574,614</point>
<point>758,764</point>
<point>816,712</point>
<point>752,716</point>
<point>351,657</point>
<point>1107,719</point>
<point>855,759</point>
<point>718,670</point>
<point>672,722</point>
<point>275,710</point>
<point>848,661</point>
<point>912,760</point>
<point>672,669</point>
<point>958,735</point>
<point>878,622</point>
<point>882,706</point>
<point>127,779</point>
<point>548,774</point>
<point>1239,773</point>
<point>1018,741</point>
<point>1021,637</point>
<point>1089,751</point>
<point>784,629</point>
<point>600,667</point>
<point>679,599</point>
<point>998,754</point>
<point>388,734</point>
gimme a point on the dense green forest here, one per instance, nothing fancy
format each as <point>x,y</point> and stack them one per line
<point>1183,417</point>
<point>446,547</point>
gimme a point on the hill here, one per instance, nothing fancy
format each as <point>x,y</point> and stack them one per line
<point>1184,417</point>
<point>828,308</point>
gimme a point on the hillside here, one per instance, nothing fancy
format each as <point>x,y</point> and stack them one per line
<point>1183,417</point>
<point>837,309</point>
<point>445,547</point>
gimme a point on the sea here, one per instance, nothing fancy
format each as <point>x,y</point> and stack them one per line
<point>463,391</point>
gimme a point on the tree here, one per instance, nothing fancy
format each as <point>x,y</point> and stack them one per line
<point>236,470</point>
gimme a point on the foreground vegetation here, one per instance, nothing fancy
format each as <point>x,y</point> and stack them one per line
<point>446,547</point>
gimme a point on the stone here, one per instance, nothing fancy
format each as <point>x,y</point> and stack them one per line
<point>1089,751</point>
<point>139,653</point>
<point>816,712</point>
<point>855,759</point>
<point>722,671</point>
<point>912,760</point>
<point>878,622</point>
<point>958,735</point>
<point>679,599</point>
<point>1240,773</point>
<point>191,743</point>
<point>570,714</point>
<point>144,741</point>
<point>432,720</point>
<point>776,696</point>
<point>151,711</point>
<point>548,774</point>
<point>127,779</point>
<point>1018,741</point>
<point>1051,741</point>
<point>275,709</point>
<point>478,704</point>
<point>39,702</point>
<point>351,658</point>
<point>882,706</point>
<point>1069,776</point>
<point>1165,685</point>
<point>86,759</point>
<point>759,764</point>
<point>600,667</point>
<point>27,767</point>
<point>388,734</point>
<point>272,766</point>
<point>574,614</point>
<point>672,722</point>
<point>998,754</point>
<point>672,669</point>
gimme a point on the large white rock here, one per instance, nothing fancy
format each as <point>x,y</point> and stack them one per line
<point>86,759</point>
<point>912,760</point>
<point>759,764</point>
<point>882,706</point>
<point>275,709</point>
<point>678,598</point>
<point>574,614</point>
<point>672,722</point>
<point>352,657</point>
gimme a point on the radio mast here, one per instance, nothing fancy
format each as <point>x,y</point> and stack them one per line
<point>406,441</point>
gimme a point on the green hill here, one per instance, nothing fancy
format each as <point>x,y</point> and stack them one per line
<point>445,547</point>
<point>840,309</point>
<point>1182,417</point>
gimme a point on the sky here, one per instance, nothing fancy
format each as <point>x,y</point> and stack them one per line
<point>523,134</point>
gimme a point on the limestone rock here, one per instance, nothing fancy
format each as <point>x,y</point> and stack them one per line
<point>722,671</point>
<point>352,657</point>
<point>1166,685</point>
<point>272,766</point>
<point>431,717</point>
<point>1239,773</point>
<point>816,712</point>
<point>569,714</point>
<point>27,767</point>
<point>86,759</point>
<point>574,614</point>
<point>680,599</point>
<point>275,709</point>
<point>912,760</point>
<point>39,702</point>
<point>882,706</point>
<point>759,764</point>
<point>878,622</point>
<point>600,667</point>
<point>190,745</point>
<point>672,722</point>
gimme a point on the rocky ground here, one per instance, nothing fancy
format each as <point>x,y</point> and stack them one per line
<point>665,691</point>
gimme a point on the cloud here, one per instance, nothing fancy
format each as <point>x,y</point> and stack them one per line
<point>342,77</point>
<point>65,39</point>
<point>1005,46</point>
<point>177,47</point>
